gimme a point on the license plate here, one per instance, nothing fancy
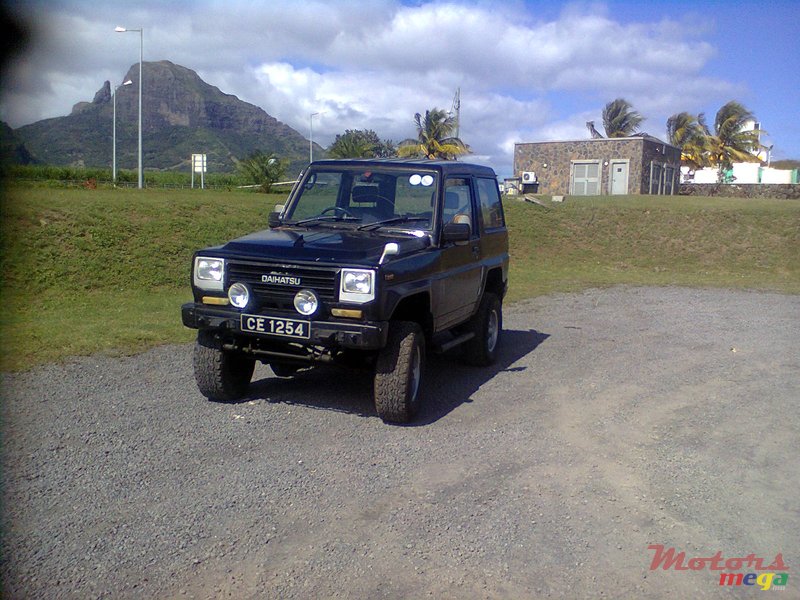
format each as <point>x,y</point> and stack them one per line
<point>273,326</point>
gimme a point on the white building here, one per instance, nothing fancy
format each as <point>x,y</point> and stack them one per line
<point>744,172</point>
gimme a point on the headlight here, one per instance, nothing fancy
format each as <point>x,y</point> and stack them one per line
<point>306,302</point>
<point>209,273</point>
<point>239,295</point>
<point>358,285</point>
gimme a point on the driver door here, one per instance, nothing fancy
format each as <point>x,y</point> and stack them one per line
<point>461,270</point>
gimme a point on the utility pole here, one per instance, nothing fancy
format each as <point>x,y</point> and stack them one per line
<point>456,110</point>
<point>140,30</point>
<point>311,137</point>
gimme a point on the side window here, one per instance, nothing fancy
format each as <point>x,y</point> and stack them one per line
<point>489,200</point>
<point>457,203</point>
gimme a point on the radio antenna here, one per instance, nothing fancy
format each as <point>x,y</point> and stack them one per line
<point>456,110</point>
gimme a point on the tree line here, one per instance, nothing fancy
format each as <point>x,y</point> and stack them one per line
<point>434,139</point>
<point>729,141</point>
<point>700,146</point>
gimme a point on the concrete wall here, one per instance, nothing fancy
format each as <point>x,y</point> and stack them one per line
<point>770,175</point>
<point>746,172</point>
<point>552,161</point>
<point>706,175</point>
<point>733,190</point>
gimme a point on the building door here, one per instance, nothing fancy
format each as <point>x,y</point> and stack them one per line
<point>585,178</point>
<point>656,175</point>
<point>619,178</point>
<point>669,180</point>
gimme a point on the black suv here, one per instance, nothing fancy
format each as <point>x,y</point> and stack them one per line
<point>369,263</point>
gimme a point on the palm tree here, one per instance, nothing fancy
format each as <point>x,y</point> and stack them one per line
<point>690,133</point>
<point>620,120</point>
<point>434,137</point>
<point>731,141</point>
<point>596,135</point>
<point>262,169</point>
<point>353,144</point>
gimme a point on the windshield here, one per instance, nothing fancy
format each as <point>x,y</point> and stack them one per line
<point>370,198</point>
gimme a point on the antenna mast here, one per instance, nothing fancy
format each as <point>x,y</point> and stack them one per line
<point>456,110</point>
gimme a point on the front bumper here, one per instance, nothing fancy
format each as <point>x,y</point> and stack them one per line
<point>331,334</point>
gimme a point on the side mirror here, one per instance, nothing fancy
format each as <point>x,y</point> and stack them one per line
<point>274,219</point>
<point>390,249</point>
<point>456,233</point>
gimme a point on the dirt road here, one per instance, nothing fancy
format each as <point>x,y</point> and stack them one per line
<point>615,420</point>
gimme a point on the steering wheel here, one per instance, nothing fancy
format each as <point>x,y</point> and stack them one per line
<point>381,199</point>
<point>383,206</point>
<point>338,209</point>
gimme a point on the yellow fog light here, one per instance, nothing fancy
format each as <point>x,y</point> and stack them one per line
<point>347,313</point>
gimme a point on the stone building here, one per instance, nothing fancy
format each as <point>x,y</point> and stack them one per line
<point>607,166</point>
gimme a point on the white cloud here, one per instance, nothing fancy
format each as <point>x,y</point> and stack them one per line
<point>374,64</point>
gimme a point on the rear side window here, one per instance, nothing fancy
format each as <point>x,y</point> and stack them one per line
<point>489,199</point>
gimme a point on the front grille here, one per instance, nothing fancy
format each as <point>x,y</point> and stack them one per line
<point>322,280</point>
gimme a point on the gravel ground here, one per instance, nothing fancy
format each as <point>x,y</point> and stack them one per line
<point>614,419</point>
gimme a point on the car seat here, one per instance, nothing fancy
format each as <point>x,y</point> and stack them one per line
<point>367,203</point>
<point>453,211</point>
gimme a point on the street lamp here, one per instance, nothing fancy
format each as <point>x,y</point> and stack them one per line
<point>311,136</point>
<point>114,135</point>
<point>141,53</point>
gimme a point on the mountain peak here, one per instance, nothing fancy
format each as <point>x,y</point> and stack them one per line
<point>181,115</point>
<point>102,96</point>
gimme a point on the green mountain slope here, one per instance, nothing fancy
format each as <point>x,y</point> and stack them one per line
<point>181,115</point>
<point>12,150</point>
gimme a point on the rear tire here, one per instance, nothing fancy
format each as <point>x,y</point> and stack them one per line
<point>398,373</point>
<point>221,375</point>
<point>487,325</point>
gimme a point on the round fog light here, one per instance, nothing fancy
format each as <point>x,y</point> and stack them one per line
<point>239,295</point>
<point>306,302</point>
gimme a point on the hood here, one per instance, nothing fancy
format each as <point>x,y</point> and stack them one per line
<point>320,245</point>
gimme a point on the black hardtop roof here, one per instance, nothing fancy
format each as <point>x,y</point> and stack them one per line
<point>446,167</point>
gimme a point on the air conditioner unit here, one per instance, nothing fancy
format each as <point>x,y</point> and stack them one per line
<point>528,177</point>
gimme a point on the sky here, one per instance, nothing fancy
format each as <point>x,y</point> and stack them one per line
<point>527,70</point>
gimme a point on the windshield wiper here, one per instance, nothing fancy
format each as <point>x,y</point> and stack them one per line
<point>403,219</point>
<point>333,218</point>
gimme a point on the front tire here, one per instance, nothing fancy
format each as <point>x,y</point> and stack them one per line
<point>487,325</point>
<point>398,373</point>
<point>282,370</point>
<point>221,375</point>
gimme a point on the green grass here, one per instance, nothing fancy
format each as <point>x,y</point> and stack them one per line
<point>645,240</point>
<point>87,271</point>
<point>106,270</point>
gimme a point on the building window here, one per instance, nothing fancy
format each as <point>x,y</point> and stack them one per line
<point>585,178</point>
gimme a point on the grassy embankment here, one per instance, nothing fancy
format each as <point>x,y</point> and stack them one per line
<point>88,271</point>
